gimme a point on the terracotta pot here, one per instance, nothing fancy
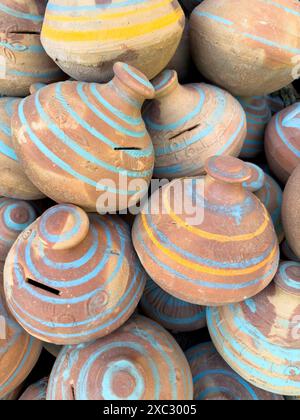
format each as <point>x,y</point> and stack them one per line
<point>36,392</point>
<point>181,61</point>
<point>23,60</point>
<point>220,247</point>
<point>19,351</point>
<point>215,380</point>
<point>86,40</point>
<point>234,44</point>
<point>13,183</point>
<point>258,115</point>
<point>282,144</point>
<point>53,349</point>
<point>269,193</point>
<point>173,314</point>
<point>12,396</point>
<point>259,338</point>
<point>190,123</point>
<point>140,361</point>
<point>82,273</point>
<point>291,211</point>
<point>15,216</point>
<point>81,143</point>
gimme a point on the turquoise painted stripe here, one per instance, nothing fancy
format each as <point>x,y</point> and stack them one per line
<point>284,139</point>
<point>167,76</point>
<point>21,15</point>
<point>20,47</point>
<point>281,6</point>
<point>290,119</point>
<point>9,103</point>
<point>126,98</point>
<point>59,162</point>
<point>106,119</point>
<point>176,124</point>
<point>218,19</point>
<point>76,148</point>
<point>49,75</point>
<point>134,153</point>
<point>288,281</point>
<point>17,227</point>
<point>136,77</point>
<point>90,8</point>
<point>8,151</point>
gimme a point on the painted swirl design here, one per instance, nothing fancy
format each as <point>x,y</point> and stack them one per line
<point>260,338</point>
<point>225,256</point>
<point>15,216</point>
<point>258,114</point>
<point>190,123</point>
<point>282,142</point>
<point>82,290</point>
<point>140,361</point>
<point>87,39</point>
<point>25,16</point>
<point>173,314</point>
<point>214,380</point>
<point>18,352</point>
<point>81,140</point>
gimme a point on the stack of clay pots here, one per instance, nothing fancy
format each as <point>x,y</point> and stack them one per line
<point>150,171</point>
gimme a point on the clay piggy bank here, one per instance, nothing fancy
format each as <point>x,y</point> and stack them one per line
<point>219,247</point>
<point>15,216</point>
<point>291,211</point>
<point>259,338</point>
<point>85,143</point>
<point>173,314</point>
<point>81,272</point>
<point>248,48</point>
<point>139,361</point>
<point>215,380</point>
<point>190,123</point>
<point>282,142</point>
<point>85,40</point>
<point>23,60</point>
<point>13,183</point>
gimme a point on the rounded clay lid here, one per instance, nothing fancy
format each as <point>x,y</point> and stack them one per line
<point>228,169</point>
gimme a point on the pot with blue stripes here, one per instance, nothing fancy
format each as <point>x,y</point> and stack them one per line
<point>71,278</point>
<point>78,142</point>
<point>282,142</point>
<point>190,123</point>
<point>234,44</point>
<point>19,351</point>
<point>214,379</point>
<point>15,217</point>
<point>23,60</point>
<point>258,115</point>
<point>225,256</point>
<point>291,211</point>
<point>87,39</point>
<point>260,338</point>
<point>13,182</point>
<point>139,361</point>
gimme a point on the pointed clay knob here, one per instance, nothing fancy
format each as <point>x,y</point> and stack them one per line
<point>288,277</point>
<point>257,180</point>
<point>63,227</point>
<point>228,169</point>
<point>134,80</point>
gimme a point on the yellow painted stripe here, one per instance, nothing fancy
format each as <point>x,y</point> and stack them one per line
<point>215,236</point>
<point>201,268</point>
<point>106,14</point>
<point>120,33</point>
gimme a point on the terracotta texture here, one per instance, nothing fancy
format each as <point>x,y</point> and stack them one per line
<point>81,273</point>
<point>36,392</point>
<point>86,40</point>
<point>258,115</point>
<point>23,60</point>
<point>78,142</point>
<point>259,338</point>
<point>140,361</point>
<point>18,351</point>
<point>282,142</point>
<point>291,211</point>
<point>215,380</point>
<point>173,314</point>
<point>269,193</point>
<point>13,182</point>
<point>15,216</point>
<point>227,255</point>
<point>12,396</point>
<point>181,61</point>
<point>248,48</point>
<point>190,123</point>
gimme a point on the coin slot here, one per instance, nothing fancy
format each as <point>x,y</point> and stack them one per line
<point>127,148</point>
<point>43,287</point>
<point>24,32</point>
<point>73,392</point>
<point>185,131</point>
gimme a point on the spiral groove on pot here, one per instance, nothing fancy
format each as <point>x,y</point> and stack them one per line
<point>139,361</point>
<point>82,292</point>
